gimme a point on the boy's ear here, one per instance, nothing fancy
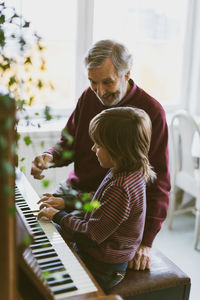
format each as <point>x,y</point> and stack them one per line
<point>127,75</point>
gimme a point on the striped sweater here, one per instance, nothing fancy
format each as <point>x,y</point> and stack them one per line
<point>116,227</point>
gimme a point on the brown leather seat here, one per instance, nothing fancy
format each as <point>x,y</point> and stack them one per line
<point>164,281</point>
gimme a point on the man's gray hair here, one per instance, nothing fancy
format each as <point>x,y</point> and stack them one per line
<point>101,50</point>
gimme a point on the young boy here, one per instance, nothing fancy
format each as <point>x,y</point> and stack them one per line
<point>107,238</point>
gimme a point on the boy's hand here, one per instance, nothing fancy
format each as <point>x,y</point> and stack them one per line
<point>47,212</point>
<point>56,202</point>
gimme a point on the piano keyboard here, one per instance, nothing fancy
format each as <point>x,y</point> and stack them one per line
<point>63,273</point>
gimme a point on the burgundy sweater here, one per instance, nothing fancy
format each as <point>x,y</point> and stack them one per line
<point>88,174</point>
<point>115,229</point>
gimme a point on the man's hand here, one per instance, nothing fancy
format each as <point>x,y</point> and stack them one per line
<point>47,212</point>
<point>56,202</point>
<point>141,260</point>
<point>39,164</point>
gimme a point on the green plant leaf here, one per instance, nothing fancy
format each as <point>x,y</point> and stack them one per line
<point>18,136</point>
<point>2,19</point>
<point>46,183</point>
<point>7,167</point>
<point>68,137</point>
<point>26,240</point>
<point>40,84</point>
<point>45,275</point>
<point>86,197</point>
<point>67,154</point>
<point>22,168</point>
<point>8,123</point>
<point>2,38</point>
<point>95,204</point>
<point>12,210</point>
<point>8,190</point>
<point>28,60</point>
<point>27,140</point>
<point>3,143</point>
<point>27,24</point>
<point>87,207</point>
<point>47,113</point>
<point>42,143</point>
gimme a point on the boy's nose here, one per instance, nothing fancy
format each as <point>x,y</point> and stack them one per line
<point>93,148</point>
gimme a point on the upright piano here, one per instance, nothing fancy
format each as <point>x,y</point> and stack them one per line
<point>49,263</point>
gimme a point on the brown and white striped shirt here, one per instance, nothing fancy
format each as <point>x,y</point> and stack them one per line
<point>116,227</point>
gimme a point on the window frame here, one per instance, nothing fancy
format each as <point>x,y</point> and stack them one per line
<point>84,39</point>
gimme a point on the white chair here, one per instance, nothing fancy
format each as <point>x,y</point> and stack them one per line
<point>185,175</point>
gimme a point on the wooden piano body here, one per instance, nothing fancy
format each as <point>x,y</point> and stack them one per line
<point>49,268</point>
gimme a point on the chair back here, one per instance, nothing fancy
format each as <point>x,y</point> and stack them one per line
<point>183,129</point>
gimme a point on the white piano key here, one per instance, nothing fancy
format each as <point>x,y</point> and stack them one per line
<point>78,274</point>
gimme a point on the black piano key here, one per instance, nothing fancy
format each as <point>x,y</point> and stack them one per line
<point>51,263</point>
<point>37,228</point>
<point>29,215</point>
<point>54,269</point>
<point>22,204</point>
<point>25,209</point>
<point>45,254</point>
<point>30,222</point>
<point>42,239</point>
<point>34,225</point>
<point>58,282</point>
<point>66,275</point>
<point>32,219</point>
<point>64,290</point>
<point>44,251</point>
<point>40,245</point>
<point>20,201</point>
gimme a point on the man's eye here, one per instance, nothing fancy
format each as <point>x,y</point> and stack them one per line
<point>107,82</point>
<point>92,82</point>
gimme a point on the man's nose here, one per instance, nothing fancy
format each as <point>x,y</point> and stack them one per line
<point>93,148</point>
<point>100,89</point>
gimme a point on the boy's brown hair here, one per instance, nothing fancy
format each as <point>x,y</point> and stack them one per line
<point>125,132</point>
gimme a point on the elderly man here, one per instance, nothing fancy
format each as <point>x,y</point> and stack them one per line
<point>108,64</point>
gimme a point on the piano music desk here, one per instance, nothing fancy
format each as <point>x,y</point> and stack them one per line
<point>164,281</point>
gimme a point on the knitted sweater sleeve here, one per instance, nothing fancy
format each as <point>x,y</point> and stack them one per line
<point>103,221</point>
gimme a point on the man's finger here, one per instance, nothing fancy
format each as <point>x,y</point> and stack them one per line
<point>143,262</point>
<point>136,265</point>
<point>40,163</point>
<point>37,176</point>
<point>43,199</point>
<point>148,263</point>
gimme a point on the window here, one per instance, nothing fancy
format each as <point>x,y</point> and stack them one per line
<point>55,22</point>
<point>153,31</point>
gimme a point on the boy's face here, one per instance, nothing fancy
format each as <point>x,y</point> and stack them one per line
<point>107,85</point>
<point>103,156</point>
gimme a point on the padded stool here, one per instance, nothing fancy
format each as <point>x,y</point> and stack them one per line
<point>164,281</point>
